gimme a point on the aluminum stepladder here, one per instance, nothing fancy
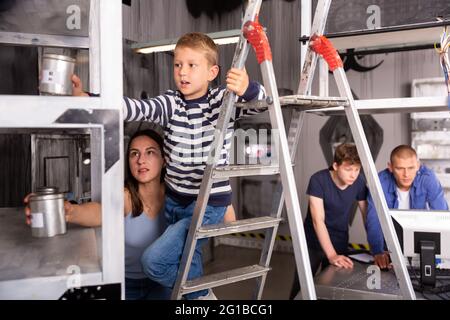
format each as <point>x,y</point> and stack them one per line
<point>321,46</point>
<point>254,34</point>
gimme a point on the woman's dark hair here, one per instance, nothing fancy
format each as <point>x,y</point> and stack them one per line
<point>131,183</point>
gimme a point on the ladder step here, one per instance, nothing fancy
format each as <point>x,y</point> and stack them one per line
<point>214,230</point>
<point>312,102</point>
<point>245,170</point>
<point>223,278</point>
<point>254,104</point>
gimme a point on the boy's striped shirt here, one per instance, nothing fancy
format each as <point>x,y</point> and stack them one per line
<point>188,133</point>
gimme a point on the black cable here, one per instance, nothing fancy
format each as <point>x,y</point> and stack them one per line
<point>437,291</point>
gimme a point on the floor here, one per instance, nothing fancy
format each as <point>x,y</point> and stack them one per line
<point>279,279</point>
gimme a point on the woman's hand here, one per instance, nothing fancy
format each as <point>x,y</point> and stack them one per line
<point>26,202</point>
<point>68,209</point>
<point>77,87</point>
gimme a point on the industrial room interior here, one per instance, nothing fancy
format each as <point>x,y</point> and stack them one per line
<point>84,156</point>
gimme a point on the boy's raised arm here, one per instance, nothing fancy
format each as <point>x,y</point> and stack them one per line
<point>158,110</point>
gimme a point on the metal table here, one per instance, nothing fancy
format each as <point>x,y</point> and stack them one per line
<point>335,283</point>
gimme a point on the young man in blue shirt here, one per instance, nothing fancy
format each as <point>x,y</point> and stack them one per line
<point>406,185</point>
<point>332,193</point>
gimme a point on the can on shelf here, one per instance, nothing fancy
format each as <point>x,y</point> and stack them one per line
<point>56,74</point>
<point>47,213</point>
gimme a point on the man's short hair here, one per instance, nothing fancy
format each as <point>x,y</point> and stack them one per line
<point>200,41</point>
<point>403,151</point>
<point>346,152</point>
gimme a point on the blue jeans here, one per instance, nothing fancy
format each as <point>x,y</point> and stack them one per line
<point>161,260</point>
<point>145,289</point>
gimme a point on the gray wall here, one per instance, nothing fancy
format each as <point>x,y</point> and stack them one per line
<point>147,21</point>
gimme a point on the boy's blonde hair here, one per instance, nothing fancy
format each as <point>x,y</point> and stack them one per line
<point>197,40</point>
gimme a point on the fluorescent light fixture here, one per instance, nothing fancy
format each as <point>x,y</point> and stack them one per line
<point>220,38</point>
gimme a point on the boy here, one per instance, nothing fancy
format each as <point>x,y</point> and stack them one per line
<point>188,117</point>
<point>332,193</point>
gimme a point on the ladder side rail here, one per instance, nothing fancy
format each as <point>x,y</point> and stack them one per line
<point>226,111</point>
<point>305,28</point>
<point>289,185</point>
<point>375,188</point>
<point>270,234</point>
<point>258,39</point>
<point>294,132</point>
<point>309,66</point>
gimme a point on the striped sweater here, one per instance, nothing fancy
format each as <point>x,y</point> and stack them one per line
<point>188,133</point>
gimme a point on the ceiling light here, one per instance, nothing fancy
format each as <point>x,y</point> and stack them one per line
<point>220,38</point>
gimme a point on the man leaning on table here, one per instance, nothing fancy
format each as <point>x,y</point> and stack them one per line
<point>406,185</point>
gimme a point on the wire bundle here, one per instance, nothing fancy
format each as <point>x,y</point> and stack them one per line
<point>444,59</point>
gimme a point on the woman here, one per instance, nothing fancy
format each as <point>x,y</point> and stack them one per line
<point>143,207</point>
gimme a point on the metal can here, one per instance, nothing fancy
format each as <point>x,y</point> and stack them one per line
<point>47,213</point>
<point>56,74</point>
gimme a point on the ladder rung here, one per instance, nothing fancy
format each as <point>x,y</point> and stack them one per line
<point>254,104</point>
<point>312,102</point>
<point>245,170</point>
<point>214,230</point>
<point>223,278</point>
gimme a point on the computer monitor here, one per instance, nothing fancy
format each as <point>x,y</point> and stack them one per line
<point>424,237</point>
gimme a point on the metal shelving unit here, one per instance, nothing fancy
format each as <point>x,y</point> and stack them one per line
<point>48,268</point>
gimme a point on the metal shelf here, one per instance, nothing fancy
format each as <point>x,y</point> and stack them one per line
<point>41,111</point>
<point>44,261</point>
<point>392,105</point>
<point>45,40</point>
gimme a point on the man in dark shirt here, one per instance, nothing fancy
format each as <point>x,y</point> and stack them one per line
<point>332,193</point>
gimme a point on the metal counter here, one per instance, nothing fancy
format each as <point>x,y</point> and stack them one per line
<point>27,263</point>
<point>352,284</point>
<point>335,283</point>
